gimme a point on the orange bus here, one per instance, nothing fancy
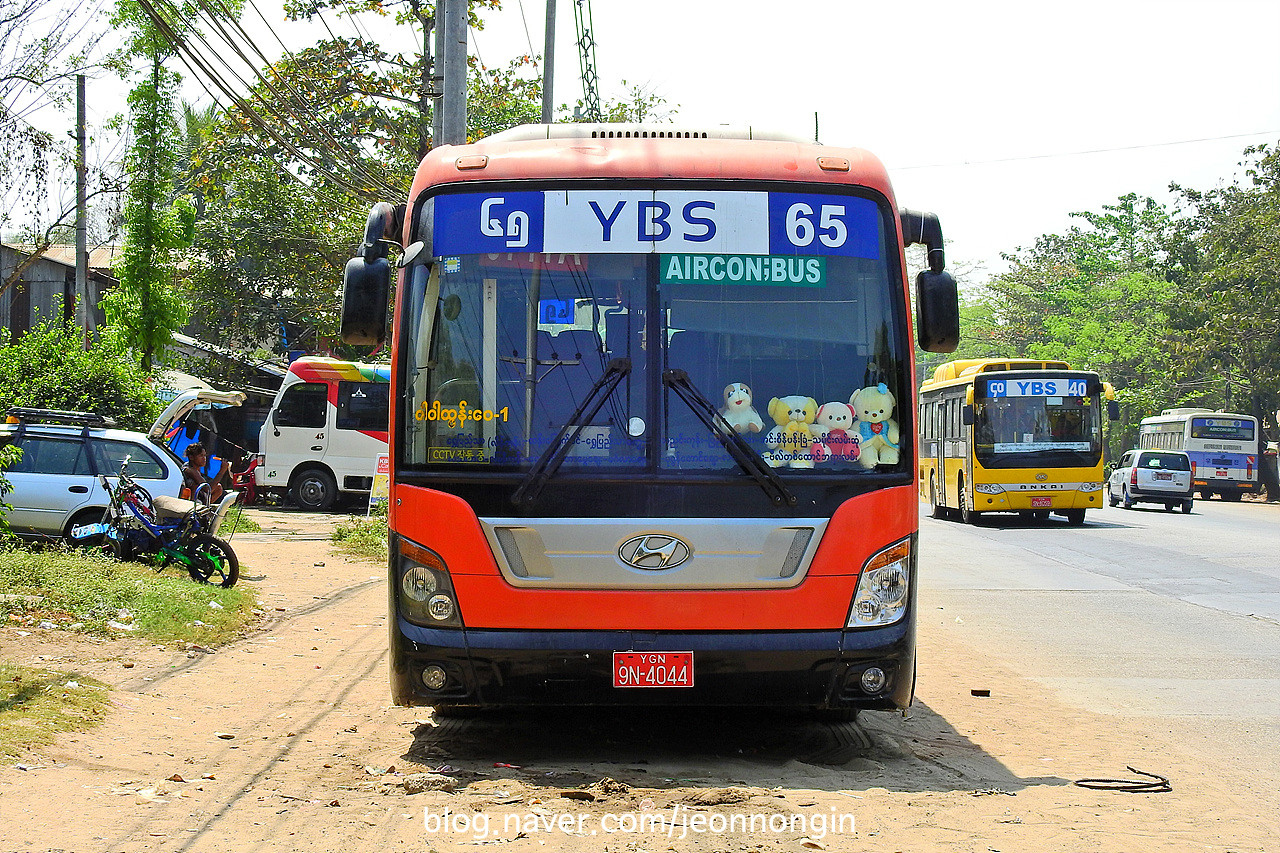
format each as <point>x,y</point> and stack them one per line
<point>652,419</point>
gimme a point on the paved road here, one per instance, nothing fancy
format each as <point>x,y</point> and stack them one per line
<point>1140,612</point>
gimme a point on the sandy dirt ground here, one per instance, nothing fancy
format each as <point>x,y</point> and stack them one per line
<point>286,741</point>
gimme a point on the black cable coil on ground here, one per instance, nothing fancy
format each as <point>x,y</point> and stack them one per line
<point>1133,786</point>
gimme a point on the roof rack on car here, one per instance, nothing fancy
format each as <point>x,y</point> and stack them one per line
<point>28,415</point>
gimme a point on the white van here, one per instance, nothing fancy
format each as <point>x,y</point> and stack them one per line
<point>325,431</point>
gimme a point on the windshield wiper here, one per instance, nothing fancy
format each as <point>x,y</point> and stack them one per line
<point>748,460</point>
<point>545,468</point>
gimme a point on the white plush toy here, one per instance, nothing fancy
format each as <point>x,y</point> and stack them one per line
<point>738,410</point>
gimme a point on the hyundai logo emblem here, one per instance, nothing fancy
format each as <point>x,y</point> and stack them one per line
<point>654,552</point>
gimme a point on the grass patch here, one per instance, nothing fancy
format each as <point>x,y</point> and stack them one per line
<point>363,536</point>
<point>37,704</point>
<point>88,592</point>
<point>237,521</point>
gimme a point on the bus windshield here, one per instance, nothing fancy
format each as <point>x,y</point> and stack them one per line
<point>504,350</point>
<point>1039,430</point>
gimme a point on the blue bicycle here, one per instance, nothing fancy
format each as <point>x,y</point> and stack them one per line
<point>165,530</point>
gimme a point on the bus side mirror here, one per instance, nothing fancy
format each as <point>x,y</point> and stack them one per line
<point>966,415</point>
<point>365,289</point>
<point>1113,410</point>
<point>937,311</point>
<point>366,282</point>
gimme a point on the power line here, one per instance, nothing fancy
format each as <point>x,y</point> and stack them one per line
<point>1057,155</point>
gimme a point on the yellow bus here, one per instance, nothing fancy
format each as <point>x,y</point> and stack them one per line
<point>1013,435</point>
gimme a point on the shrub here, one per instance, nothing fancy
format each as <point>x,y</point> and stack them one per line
<point>49,368</point>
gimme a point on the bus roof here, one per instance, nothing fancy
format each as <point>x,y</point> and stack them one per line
<point>964,369</point>
<point>321,368</point>
<point>620,151</point>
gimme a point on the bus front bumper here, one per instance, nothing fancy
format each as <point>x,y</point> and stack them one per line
<point>1024,501</point>
<point>797,669</point>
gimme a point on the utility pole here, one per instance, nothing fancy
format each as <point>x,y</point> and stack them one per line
<point>549,63</point>
<point>84,304</point>
<point>453,106</point>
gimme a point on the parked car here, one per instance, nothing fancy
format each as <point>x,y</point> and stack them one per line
<point>1152,476</point>
<point>55,485</point>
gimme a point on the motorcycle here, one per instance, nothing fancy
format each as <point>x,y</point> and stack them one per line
<point>164,529</point>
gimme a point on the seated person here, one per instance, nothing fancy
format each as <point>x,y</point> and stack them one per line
<point>199,427</point>
<point>193,476</point>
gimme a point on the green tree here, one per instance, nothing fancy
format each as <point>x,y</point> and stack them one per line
<point>146,304</point>
<point>1102,296</point>
<point>1233,310</point>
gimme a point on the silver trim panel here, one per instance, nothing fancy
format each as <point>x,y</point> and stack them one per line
<point>556,553</point>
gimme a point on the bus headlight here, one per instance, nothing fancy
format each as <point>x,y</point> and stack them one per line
<point>883,588</point>
<point>1090,487</point>
<point>426,591</point>
<point>988,488</point>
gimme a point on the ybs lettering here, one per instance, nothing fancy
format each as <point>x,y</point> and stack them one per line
<point>1038,388</point>
<point>653,220</point>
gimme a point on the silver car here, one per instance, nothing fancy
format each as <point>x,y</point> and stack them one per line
<point>1151,476</point>
<point>55,485</point>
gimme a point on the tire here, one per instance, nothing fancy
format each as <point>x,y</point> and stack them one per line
<point>1186,507</point>
<point>1112,500</point>
<point>1075,517</point>
<point>967,516</point>
<point>1128,501</point>
<point>1169,506</point>
<point>212,561</point>
<point>314,490</point>
<point>1231,496</point>
<point>1205,494</point>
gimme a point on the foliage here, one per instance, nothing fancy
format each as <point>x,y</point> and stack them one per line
<point>364,536</point>
<point>268,259</point>
<point>42,47</point>
<point>49,368</point>
<point>1102,297</point>
<point>637,107</point>
<point>501,98</point>
<point>39,704</point>
<point>145,304</point>
<point>1234,305</point>
<point>85,591</point>
<point>8,456</point>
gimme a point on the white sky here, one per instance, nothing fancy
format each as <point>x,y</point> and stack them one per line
<point>977,109</point>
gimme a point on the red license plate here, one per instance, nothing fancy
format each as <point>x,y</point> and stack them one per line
<point>1222,472</point>
<point>1039,502</point>
<point>1161,475</point>
<point>653,669</point>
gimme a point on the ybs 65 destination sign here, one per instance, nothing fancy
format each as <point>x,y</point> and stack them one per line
<point>667,221</point>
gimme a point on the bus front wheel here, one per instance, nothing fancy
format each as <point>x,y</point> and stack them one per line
<point>1075,517</point>
<point>967,516</point>
<point>314,490</point>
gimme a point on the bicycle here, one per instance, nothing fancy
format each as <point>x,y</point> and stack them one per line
<point>173,530</point>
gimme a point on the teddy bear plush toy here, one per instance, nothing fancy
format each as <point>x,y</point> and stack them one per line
<point>877,431</point>
<point>738,411</point>
<point>833,427</point>
<point>791,442</point>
